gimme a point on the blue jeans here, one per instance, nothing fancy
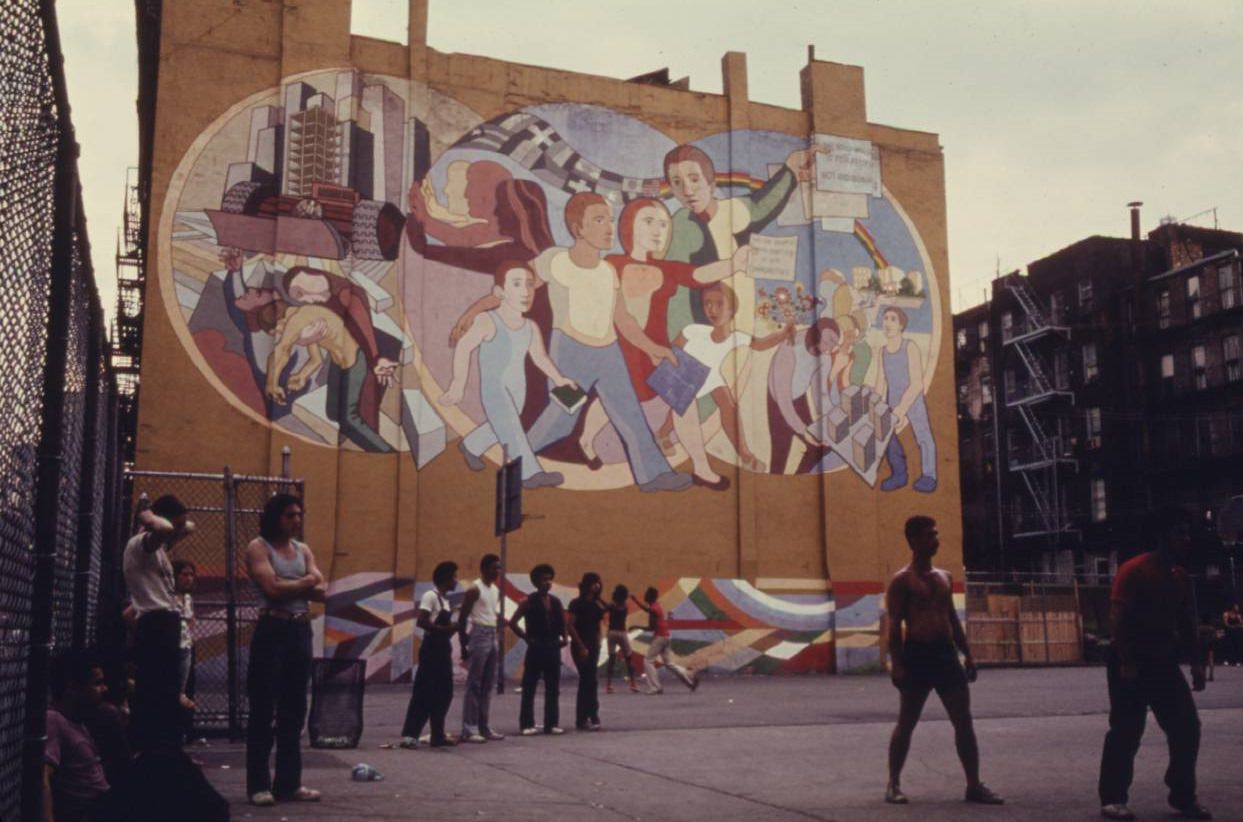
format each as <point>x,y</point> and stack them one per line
<point>480,677</point>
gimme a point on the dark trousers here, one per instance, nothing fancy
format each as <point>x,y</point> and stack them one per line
<point>280,666</point>
<point>1162,687</point>
<point>587,706</point>
<point>433,690</point>
<point>542,662</point>
<point>157,680</point>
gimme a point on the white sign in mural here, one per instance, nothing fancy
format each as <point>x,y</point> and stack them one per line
<point>847,167</point>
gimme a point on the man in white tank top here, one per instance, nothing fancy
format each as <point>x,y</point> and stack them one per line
<point>480,650</point>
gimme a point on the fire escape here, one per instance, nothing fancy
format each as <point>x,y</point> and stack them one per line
<point>126,347</point>
<point>1038,466</point>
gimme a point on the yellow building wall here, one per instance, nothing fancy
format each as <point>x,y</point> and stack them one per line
<point>800,556</point>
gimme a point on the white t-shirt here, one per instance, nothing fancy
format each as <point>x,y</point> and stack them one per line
<point>149,577</point>
<point>582,298</point>
<point>701,346</point>
<point>187,614</point>
<point>433,602</point>
<point>487,607</point>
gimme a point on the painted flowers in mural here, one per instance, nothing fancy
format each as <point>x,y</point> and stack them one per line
<point>372,268</point>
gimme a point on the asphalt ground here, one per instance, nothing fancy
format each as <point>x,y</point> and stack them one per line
<point>760,748</point>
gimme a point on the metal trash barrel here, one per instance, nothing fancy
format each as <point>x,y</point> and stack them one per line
<point>337,687</point>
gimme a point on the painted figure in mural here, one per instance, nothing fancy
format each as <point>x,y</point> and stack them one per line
<point>522,218</point>
<point>658,649</point>
<point>284,574</point>
<point>925,658</point>
<point>846,307</point>
<point>711,344</point>
<point>648,283</point>
<point>619,637</point>
<point>504,338</point>
<point>707,229</point>
<point>900,381</point>
<point>545,633</point>
<point>481,611</point>
<point>586,614</point>
<point>587,318</point>
<point>254,312</point>
<point>433,679</point>
<point>795,398</point>
<point>1153,614</point>
<point>353,396</point>
<point>470,217</point>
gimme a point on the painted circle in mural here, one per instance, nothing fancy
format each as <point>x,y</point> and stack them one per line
<point>369,265</point>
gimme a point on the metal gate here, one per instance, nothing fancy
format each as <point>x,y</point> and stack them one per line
<point>225,508</point>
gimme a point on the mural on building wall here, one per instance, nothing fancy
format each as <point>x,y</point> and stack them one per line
<point>370,265</point>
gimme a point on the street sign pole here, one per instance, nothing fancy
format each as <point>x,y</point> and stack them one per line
<point>508,518</point>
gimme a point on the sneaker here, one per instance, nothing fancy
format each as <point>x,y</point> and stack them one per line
<point>529,731</point>
<point>594,725</point>
<point>304,794</point>
<point>1116,810</point>
<point>472,462</point>
<point>634,687</point>
<point>1193,810</point>
<point>694,682</point>
<point>543,479</point>
<point>655,691</point>
<point>981,795</point>
<point>408,742</point>
<point>262,799</point>
<point>925,484</point>
<point>894,795</point>
<point>474,739</point>
<point>493,736</point>
<point>555,730</point>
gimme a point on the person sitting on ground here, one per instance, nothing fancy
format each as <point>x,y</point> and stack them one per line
<point>545,632</point>
<point>925,658</point>
<point>433,679</point>
<point>74,784</point>
<point>659,648</point>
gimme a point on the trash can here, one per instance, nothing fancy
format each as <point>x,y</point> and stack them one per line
<point>337,686</point>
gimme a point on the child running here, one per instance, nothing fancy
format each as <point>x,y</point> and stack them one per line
<point>619,638</point>
<point>658,624</point>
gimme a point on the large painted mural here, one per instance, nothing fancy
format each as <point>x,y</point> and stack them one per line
<point>370,265</point>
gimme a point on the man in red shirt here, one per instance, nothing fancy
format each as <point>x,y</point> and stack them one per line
<point>659,649</point>
<point>1153,623</point>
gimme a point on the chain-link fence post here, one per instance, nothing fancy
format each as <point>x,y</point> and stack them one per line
<point>230,591</point>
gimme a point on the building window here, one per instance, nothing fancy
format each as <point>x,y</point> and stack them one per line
<point>1098,500</point>
<point>1061,370</point>
<point>983,331</point>
<point>986,390</point>
<point>1230,350</point>
<point>1167,366</point>
<point>1199,367</point>
<point>1193,297</point>
<point>961,339</point>
<point>1085,293</point>
<point>1163,309</point>
<point>1057,307</point>
<point>1089,362</point>
<point>1228,286</point>
<point>1011,384</point>
<point>1094,427</point>
<point>1007,325</point>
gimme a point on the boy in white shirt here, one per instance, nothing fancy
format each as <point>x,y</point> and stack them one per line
<point>481,610</point>
<point>433,680</point>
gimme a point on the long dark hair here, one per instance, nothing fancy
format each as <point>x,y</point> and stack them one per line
<point>270,519</point>
<point>585,584</point>
<point>522,214</point>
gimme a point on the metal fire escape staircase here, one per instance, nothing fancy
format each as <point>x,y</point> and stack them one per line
<point>1038,468</point>
<point>125,351</point>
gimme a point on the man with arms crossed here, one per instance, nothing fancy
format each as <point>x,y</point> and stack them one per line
<point>926,658</point>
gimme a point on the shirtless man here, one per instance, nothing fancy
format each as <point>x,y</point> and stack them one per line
<point>927,658</point>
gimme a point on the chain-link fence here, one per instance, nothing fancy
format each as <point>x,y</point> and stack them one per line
<point>225,509</point>
<point>57,397</point>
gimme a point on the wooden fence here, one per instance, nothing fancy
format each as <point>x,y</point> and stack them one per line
<point>1011,623</point>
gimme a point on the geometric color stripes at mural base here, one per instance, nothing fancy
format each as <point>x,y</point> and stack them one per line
<point>725,626</point>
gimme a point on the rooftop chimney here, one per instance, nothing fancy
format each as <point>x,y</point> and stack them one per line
<point>1134,206</point>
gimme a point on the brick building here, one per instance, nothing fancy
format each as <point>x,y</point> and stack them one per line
<point>1105,381</point>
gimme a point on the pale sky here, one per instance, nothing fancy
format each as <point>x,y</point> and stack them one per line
<point>1052,114</point>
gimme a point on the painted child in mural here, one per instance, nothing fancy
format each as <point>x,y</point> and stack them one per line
<point>795,398</point>
<point>354,390</point>
<point>522,219</point>
<point>711,344</point>
<point>900,381</point>
<point>648,283</point>
<point>707,229</point>
<point>587,316</point>
<point>504,338</point>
